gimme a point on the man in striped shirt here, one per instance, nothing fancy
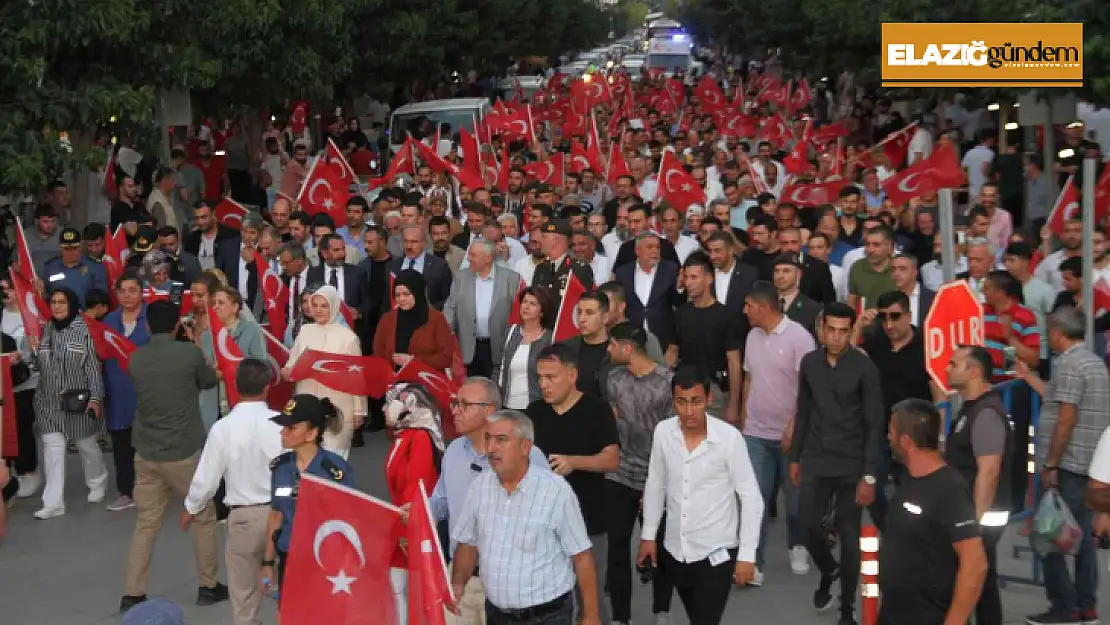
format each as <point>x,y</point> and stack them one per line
<point>526,526</point>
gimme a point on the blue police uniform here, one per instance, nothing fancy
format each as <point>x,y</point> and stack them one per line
<point>285,484</point>
<point>85,275</point>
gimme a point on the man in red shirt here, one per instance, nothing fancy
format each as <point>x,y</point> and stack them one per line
<point>215,173</point>
<point>1010,327</point>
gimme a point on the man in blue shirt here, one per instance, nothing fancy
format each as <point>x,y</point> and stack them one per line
<point>71,269</point>
<point>463,460</point>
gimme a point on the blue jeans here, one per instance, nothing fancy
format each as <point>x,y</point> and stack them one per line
<point>770,465</point>
<point>1064,595</point>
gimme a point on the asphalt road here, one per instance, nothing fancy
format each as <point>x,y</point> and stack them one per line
<point>69,570</point>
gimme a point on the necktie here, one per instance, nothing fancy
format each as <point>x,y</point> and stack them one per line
<point>334,280</point>
<point>782,304</point>
<point>409,262</point>
<point>295,298</point>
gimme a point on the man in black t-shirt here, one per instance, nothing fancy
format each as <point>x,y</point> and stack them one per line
<point>578,434</point>
<point>932,563</point>
<point>591,346</point>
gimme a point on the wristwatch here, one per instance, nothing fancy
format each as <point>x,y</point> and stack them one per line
<point>869,480</point>
<point>269,563</point>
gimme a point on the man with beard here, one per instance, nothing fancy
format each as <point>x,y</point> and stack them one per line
<point>126,210</point>
<point>622,191</point>
<point>590,191</point>
<point>295,170</point>
<point>615,238</point>
<point>515,199</point>
<point>439,229</point>
<point>214,172</point>
<point>1072,242</point>
<point>526,267</point>
<point>639,222</point>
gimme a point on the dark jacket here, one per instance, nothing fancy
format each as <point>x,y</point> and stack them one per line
<point>658,311</point>
<point>437,275</point>
<point>817,283</point>
<point>627,252</point>
<point>191,241</point>
<point>354,285</point>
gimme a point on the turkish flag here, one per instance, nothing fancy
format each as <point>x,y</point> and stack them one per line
<point>1101,298</point>
<point>1068,206</point>
<point>298,117</point>
<point>437,383</point>
<point>110,345</point>
<point>589,91</point>
<point>337,570</point>
<point>228,355</point>
<point>151,295</point>
<point>491,171</point>
<point>830,132</point>
<point>896,145</point>
<point>32,308</point>
<point>357,375</point>
<point>9,442</point>
<point>676,185</point>
<point>470,178</point>
<point>940,170</point>
<point>802,95</point>
<point>429,587</point>
<point>812,195</point>
<point>566,326</point>
<point>114,247</point>
<point>511,126</point>
<point>732,124</point>
<point>281,390</point>
<point>582,158</point>
<point>403,162</point>
<point>617,165</point>
<point>344,173</point>
<point>774,129</point>
<point>348,314</point>
<point>710,94</point>
<point>552,171</point>
<point>324,191</point>
<point>274,293</point>
<point>23,253</point>
<point>471,152</point>
<point>231,213</point>
<point>575,125</point>
<point>797,161</point>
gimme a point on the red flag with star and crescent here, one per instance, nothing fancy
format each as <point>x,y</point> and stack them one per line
<point>281,390</point>
<point>676,185</point>
<point>32,307</point>
<point>275,295</point>
<point>227,353</point>
<point>941,170</point>
<point>23,252</point>
<point>566,323</point>
<point>231,213</point>
<point>812,195</point>
<point>357,375</point>
<point>403,162</point>
<point>324,191</point>
<point>438,384</point>
<point>339,553</point>
<point>109,344</point>
<point>298,117</point>
<point>468,177</point>
<point>429,588</point>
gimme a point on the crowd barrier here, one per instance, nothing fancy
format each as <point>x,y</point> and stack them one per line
<point>1024,516</point>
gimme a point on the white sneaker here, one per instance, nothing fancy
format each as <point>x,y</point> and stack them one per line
<point>757,579</point>
<point>663,618</point>
<point>799,560</point>
<point>96,495</point>
<point>28,485</point>
<point>50,513</point>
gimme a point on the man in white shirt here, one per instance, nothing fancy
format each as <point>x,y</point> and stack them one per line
<point>645,182</point>
<point>239,451</point>
<point>819,247</point>
<point>584,247</point>
<point>921,145</point>
<point>672,229</point>
<point>617,237</point>
<point>1072,241</point>
<point>526,267</point>
<point>977,162</point>
<point>699,465</point>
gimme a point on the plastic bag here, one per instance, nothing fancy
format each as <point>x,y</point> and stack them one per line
<point>1054,527</point>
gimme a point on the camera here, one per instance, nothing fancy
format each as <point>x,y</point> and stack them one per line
<point>646,571</point>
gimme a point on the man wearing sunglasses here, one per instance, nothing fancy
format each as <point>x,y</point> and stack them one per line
<point>463,460</point>
<point>898,350</point>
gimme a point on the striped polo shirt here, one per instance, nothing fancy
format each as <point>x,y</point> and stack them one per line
<point>1023,325</point>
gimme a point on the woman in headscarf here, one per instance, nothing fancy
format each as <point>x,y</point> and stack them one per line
<point>413,419</point>
<point>414,329</point>
<point>327,334</point>
<point>68,401</point>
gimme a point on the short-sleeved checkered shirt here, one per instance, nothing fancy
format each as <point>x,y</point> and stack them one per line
<point>1079,377</point>
<point>525,539</point>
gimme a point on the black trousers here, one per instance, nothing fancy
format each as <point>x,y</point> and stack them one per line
<point>989,609</point>
<point>623,504</point>
<point>1021,411</point>
<point>123,456</point>
<point>28,459</point>
<point>812,506</point>
<point>482,363</point>
<point>702,587</point>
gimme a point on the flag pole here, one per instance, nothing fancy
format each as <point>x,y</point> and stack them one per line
<point>1088,207</point>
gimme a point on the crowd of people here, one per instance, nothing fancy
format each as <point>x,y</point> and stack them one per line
<point>702,367</point>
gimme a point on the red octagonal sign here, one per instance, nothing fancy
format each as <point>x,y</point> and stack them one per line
<point>956,318</point>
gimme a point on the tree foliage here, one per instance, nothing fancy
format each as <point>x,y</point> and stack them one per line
<point>825,37</point>
<point>75,66</point>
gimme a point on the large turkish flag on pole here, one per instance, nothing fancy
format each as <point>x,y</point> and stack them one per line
<point>357,375</point>
<point>429,588</point>
<point>338,563</point>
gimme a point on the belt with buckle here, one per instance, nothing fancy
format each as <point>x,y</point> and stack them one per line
<point>524,615</point>
<point>248,505</point>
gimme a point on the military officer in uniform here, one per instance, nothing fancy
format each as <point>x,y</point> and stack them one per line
<point>71,269</point>
<point>145,237</point>
<point>558,264</point>
<point>303,422</point>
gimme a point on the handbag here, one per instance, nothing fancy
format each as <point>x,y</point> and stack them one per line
<point>76,401</point>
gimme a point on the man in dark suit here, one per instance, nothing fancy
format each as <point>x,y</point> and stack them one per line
<point>639,222</point>
<point>208,234</point>
<point>817,283</point>
<point>437,275</point>
<point>792,302</point>
<point>731,271</point>
<point>651,285</point>
<point>903,271</point>
<point>476,215</point>
<point>345,277</point>
<point>376,271</point>
<point>237,261</point>
<point>185,266</point>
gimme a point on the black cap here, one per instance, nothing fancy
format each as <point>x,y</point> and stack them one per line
<point>558,226</point>
<point>69,236</point>
<point>788,259</point>
<point>145,238</point>
<point>303,407</point>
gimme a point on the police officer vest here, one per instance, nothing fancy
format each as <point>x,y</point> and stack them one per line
<point>960,454</point>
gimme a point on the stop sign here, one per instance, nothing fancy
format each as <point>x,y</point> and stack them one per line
<point>956,318</point>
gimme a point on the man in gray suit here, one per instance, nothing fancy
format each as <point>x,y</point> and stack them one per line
<point>479,306</point>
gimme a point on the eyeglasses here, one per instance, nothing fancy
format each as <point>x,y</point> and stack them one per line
<point>893,316</point>
<point>464,406</point>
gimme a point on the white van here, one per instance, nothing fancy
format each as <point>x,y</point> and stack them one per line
<point>456,112</point>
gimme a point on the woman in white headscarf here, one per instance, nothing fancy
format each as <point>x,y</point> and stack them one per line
<point>327,334</point>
